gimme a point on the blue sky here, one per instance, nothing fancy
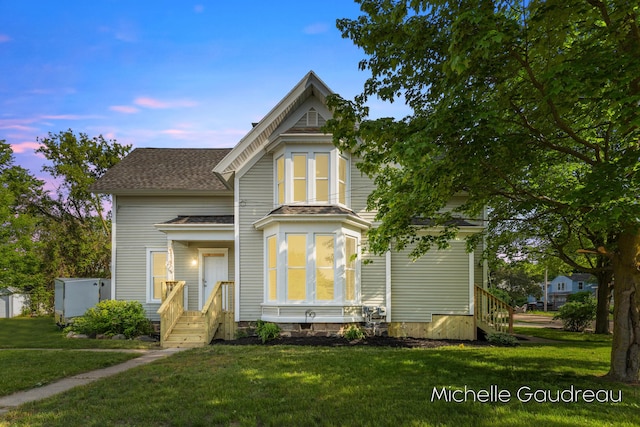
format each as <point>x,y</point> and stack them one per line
<point>163,73</point>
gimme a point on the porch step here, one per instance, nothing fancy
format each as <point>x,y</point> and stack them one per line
<point>188,332</point>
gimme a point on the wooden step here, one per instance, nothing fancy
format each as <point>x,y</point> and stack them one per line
<point>183,344</point>
<point>186,318</point>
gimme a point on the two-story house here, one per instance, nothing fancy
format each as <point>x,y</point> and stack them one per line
<point>563,286</point>
<point>276,226</point>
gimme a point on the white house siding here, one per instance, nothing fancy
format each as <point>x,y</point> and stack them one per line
<point>256,200</point>
<point>361,186</point>
<point>372,268</point>
<point>437,283</point>
<point>135,232</point>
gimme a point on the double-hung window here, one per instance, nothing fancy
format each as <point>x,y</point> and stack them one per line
<point>156,273</point>
<point>316,176</point>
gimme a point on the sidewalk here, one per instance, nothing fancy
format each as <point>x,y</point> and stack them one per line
<point>535,321</point>
<point>9,402</point>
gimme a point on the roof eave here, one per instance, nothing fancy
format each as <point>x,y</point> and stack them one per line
<point>351,220</point>
<point>163,192</point>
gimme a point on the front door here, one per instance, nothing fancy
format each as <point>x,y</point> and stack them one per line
<point>215,268</point>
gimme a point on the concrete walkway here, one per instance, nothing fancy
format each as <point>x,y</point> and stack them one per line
<point>8,403</point>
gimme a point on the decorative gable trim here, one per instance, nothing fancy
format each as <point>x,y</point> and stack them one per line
<point>254,142</point>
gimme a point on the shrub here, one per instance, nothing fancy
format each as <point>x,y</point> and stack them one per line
<point>582,296</point>
<point>576,316</point>
<point>267,331</point>
<point>112,317</point>
<point>502,338</point>
<point>353,332</point>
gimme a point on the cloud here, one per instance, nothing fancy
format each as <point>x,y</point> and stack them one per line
<point>148,102</point>
<point>18,127</point>
<point>4,38</point>
<point>317,28</point>
<point>69,117</point>
<point>21,147</point>
<point>126,109</point>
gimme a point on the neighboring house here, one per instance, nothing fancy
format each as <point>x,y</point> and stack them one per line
<point>282,215</point>
<point>12,302</point>
<point>563,286</point>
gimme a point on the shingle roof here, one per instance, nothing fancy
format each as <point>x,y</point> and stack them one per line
<point>311,210</point>
<point>167,169</point>
<point>202,219</point>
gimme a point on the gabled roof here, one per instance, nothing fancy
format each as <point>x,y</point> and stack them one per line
<point>184,170</point>
<point>258,137</point>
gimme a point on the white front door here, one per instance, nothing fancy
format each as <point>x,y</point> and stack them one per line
<point>215,268</point>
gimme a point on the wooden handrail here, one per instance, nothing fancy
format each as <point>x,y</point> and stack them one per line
<point>492,311</point>
<point>214,307</point>
<point>171,309</point>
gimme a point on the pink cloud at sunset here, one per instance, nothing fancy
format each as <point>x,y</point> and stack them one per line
<point>22,147</point>
<point>126,109</point>
<point>158,104</point>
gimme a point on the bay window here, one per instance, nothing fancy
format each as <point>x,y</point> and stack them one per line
<point>318,266</point>
<point>311,175</point>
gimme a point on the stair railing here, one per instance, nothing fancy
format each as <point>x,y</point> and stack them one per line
<point>171,308</point>
<point>492,311</point>
<point>218,304</point>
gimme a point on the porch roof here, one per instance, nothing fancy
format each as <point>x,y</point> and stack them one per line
<point>198,228</point>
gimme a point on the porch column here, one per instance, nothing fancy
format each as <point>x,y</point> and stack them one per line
<point>170,264</point>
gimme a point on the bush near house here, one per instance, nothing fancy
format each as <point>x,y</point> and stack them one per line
<point>576,316</point>
<point>112,317</point>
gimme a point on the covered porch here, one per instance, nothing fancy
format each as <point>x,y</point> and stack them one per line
<point>198,290</point>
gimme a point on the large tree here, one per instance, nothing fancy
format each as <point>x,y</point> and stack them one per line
<point>20,265</point>
<point>535,104</point>
<point>77,230</point>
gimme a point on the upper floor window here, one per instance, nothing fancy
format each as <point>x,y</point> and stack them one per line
<point>561,286</point>
<point>317,176</point>
<point>580,286</point>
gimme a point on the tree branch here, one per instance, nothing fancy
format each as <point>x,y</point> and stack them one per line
<point>556,116</point>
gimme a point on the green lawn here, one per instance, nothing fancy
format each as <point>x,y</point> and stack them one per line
<point>42,332</point>
<point>25,369</point>
<point>345,386</point>
<point>51,355</point>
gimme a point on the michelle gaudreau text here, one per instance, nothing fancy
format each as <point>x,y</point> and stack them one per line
<point>525,394</point>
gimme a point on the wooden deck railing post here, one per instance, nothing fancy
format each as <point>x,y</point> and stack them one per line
<point>492,311</point>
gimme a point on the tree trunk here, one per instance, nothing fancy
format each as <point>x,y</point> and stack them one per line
<point>625,350</point>
<point>604,293</point>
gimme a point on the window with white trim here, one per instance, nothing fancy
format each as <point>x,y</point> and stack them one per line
<point>580,286</point>
<point>317,176</point>
<point>156,273</point>
<point>318,268</point>
<point>561,286</point>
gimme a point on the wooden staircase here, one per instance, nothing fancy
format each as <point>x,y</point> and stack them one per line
<point>189,331</point>
<point>180,328</point>
<point>491,313</point>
